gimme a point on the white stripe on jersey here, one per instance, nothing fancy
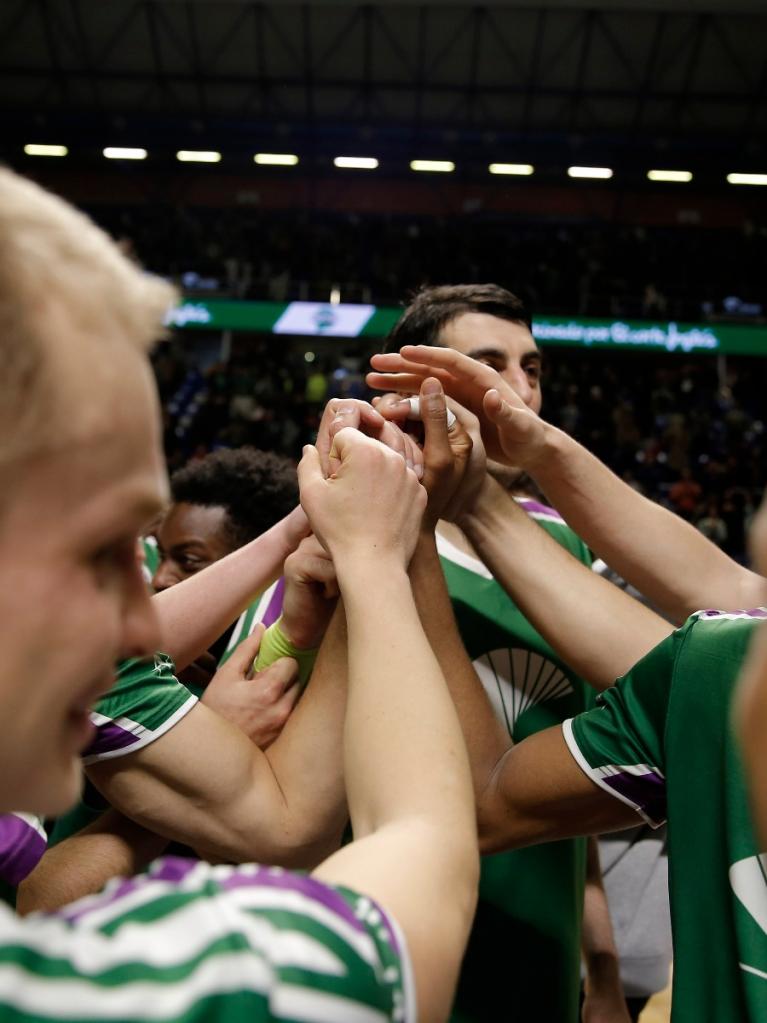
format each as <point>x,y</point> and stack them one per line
<point>448,550</point>
<point>77,999</point>
<point>313,1006</point>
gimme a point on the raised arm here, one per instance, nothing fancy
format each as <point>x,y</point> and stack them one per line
<point>195,612</point>
<point>651,547</point>
<point>407,773</point>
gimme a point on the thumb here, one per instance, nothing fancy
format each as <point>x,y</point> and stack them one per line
<point>344,441</point>
<point>310,467</point>
<point>497,410</point>
<point>434,418</point>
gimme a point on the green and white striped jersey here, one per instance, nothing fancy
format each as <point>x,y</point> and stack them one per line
<point>661,742</point>
<point>193,943</point>
<point>523,957</point>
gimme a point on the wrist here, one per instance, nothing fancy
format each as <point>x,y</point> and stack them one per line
<point>366,570</point>
<point>275,644</point>
<point>552,454</point>
<point>603,969</point>
<point>490,495</point>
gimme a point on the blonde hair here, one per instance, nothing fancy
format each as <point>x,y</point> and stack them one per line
<point>66,293</point>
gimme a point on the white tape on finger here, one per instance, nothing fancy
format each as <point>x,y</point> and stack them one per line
<point>415,411</point>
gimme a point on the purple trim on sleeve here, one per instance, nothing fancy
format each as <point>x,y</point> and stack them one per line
<point>647,791</point>
<point>109,736</point>
<point>752,612</point>
<point>21,847</point>
<point>94,903</point>
<point>269,877</point>
<point>172,868</point>
<point>542,509</point>
<point>274,607</point>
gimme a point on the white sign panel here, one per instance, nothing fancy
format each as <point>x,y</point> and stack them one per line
<point>318,318</point>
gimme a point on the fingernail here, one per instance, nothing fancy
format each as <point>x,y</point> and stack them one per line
<point>409,464</point>
<point>431,386</point>
<point>345,410</point>
<point>419,471</point>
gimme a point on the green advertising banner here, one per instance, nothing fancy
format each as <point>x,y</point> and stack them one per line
<point>344,320</point>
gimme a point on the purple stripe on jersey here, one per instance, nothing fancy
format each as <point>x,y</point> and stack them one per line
<point>274,607</point>
<point>268,877</point>
<point>647,791</point>
<point>78,911</point>
<point>542,509</point>
<point>21,847</point>
<point>171,869</point>
<point>109,736</point>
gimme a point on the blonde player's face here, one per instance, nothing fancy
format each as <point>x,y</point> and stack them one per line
<point>72,600</point>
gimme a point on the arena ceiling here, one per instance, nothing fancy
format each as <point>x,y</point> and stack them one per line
<point>619,71</point>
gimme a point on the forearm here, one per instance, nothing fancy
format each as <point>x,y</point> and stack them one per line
<point>664,557</point>
<point>195,612</point>
<point>598,948</point>
<point>307,757</point>
<point>596,628</point>
<point>112,846</point>
<point>486,739</point>
<point>396,770</point>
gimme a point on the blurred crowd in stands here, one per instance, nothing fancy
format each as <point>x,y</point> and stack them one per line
<point>683,273</point>
<point>682,431</point>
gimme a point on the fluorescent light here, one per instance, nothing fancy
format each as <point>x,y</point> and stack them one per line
<point>276,159</point>
<point>441,166</point>
<point>669,175</point>
<point>589,172</point>
<point>356,162</point>
<point>120,153</point>
<point>42,150</point>
<point>747,179</point>
<point>521,169</point>
<point>198,156</point>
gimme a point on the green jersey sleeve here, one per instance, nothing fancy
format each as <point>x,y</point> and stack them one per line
<point>620,744</point>
<point>147,700</point>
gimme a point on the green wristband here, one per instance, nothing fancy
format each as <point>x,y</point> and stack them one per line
<point>275,644</point>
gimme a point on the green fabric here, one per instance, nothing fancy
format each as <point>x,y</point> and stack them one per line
<point>523,958</point>
<point>661,741</point>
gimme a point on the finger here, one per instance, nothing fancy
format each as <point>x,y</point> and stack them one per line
<point>344,443</point>
<point>309,469</point>
<point>500,412</point>
<point>393,407</point>
<point>394,438</point>
<point>434,416</point>
<point>289,699</point>
<point>415,457</point>
<point>282,674</point>
<point>407,383</point>
<point>245,654</point>
<point>344,416</point>
<point>466,418</point>
<point>312,569</point>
